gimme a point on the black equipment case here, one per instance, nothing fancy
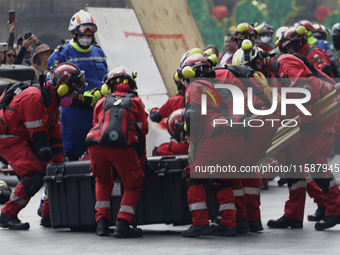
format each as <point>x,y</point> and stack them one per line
<point>71,193</point>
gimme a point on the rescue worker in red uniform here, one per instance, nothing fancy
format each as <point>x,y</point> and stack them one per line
<point>315,144</point>
<point>260,138</point>
<point>244,31</point>
<point>294,40</point>
<point>156,115</point>
<point>207,145</point>
<point>32,137</point>
<point>125,150</point>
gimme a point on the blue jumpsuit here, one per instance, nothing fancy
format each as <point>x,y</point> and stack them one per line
<point>76,120</point>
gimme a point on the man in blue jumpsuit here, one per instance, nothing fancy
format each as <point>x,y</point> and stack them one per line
<point>76,120</point>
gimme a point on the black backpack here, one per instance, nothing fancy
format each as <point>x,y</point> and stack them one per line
<point>116,115</point>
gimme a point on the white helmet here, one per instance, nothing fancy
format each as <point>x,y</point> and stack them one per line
<point>280,31</point>
<point>247,53</point>
<point>83,22</point>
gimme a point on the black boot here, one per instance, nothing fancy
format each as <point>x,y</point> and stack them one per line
<point>242,226</point>
<point>255,226</point>
<point>285,222</point>
<point>264,186</point>
<point>4,196</point>
<point>220,230</point>
<point>318,215</point>
<point>197,231</point>
<point>12,223</point>
<point>281,182</point>
<point>39,211</point>
<point>123,230</point>
<point>327,222</point>
<point>103,227</point>
<point>45,222</point>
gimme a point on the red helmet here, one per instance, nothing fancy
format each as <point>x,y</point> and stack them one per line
<point>306,23</point>
<point>292,34</point>
<point>120,75</point>
<point>173,120</point>
<point>190,67</point>
<point>244,31</point>
<point>67,77</point>
<point>189,53</point>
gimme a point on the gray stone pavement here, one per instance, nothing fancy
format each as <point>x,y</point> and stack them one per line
<point>166,239</point>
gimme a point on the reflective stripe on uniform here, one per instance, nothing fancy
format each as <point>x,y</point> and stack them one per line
<point>238,192</point>
<point>33,124</point>
<point>128,209</point>
<point>7,136</point>
<point>101,59</point>
<point>198,206</point>
<point>228,206</point>
<point>309,179</point>
<point>332,183</point>
<point>18,200</point>
<point>299,184</point>
<point>251,191</point>
<point>102,204</point>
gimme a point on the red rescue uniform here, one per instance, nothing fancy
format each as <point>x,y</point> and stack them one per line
<point>212,151</point>
<point>311,148</point>
<point>125,161</point>
<point>32,120</point>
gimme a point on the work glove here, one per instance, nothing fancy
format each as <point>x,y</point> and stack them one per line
<point>307,127</point>
<point>153,109</point>
<point>192,151</point>
<point>154,114</point>
<point>92,96</point>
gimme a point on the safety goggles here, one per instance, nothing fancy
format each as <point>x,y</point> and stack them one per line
<point>249,37</point>
<point>79,80</point>
<point>87,29</point>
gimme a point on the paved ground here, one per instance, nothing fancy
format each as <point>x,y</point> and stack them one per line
<point>166,239</point>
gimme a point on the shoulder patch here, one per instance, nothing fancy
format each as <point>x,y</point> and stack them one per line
<point>317,58</point>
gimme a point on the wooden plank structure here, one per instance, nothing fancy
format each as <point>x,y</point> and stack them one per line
<point>170,30</point>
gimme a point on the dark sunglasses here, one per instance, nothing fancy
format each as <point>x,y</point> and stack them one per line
<point>10,55</point>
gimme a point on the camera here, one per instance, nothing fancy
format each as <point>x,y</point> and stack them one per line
<point>3,46</point>
<point>27,35</point>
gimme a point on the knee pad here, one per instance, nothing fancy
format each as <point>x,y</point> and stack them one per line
<point>34,183</point>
